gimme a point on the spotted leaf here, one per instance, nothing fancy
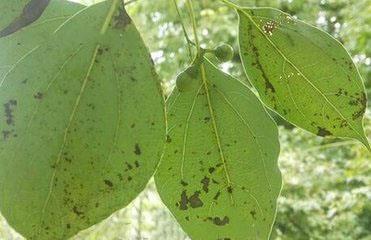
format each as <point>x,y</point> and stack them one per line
<point>219,174</point>
<point>302,73</point>
<point>82,122</point>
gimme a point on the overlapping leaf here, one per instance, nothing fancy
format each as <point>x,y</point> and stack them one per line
<point>17,14</point>
<point>219,173</point>
<point>81,125</point>
<point>17,46</point>
<point>302,73</point>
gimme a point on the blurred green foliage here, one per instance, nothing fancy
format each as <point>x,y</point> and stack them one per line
<point>327,182</point>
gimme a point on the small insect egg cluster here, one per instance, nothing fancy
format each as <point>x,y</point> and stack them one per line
<point>269,27</point>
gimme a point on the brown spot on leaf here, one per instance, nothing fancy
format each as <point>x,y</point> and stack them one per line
<point>221,222</point>
<point>108,183</point>
<point>137,150</point>
<point>253,214</point>
<point>137,165</point>
<point>6,134</point>
<point>38,95</point>
<point>184,184</point>
<point>205,184</point>
<point>323,132</point>
<point>218,221</point>
<point>268,85</point>
<point>9,108</point>
<point>194,201</point>
<point>76,211</point>
<point>122,19</point>
<point>217,195</point>
<point>183,201</point>
<point>362,101</point>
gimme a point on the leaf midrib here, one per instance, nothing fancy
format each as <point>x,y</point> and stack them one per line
<point>216,131</point>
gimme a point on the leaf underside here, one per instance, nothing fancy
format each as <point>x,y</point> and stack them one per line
<point>219,174</point>
<point>82,120</point>
<point>17,14</point>
<point>302,73</point>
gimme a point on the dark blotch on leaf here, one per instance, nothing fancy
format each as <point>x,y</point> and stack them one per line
<point>217,195</point>
<point>184,184</point>
<point>76,211</point>
<point>137,165</point>
<point>323,132</point>
<point>195,200</point>
<point>183,201</point>
<point>221,222</point>
<point>253,214</point>
<point>6,134</point>
<point>38,96</point>
<point>137,150</point>
<point>108,183</point>
<point>205,184</point>
<point>122,19</point>
<point>9,108</point>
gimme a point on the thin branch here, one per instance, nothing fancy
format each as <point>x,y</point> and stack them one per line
<point>194,25</point>
<point>189,42</point>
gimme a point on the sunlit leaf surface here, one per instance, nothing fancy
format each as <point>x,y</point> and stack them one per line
<point>302,73</point>
<point>219,175</point>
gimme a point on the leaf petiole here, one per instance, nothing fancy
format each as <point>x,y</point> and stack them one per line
<point>230,4</point>
<point>189,42</point>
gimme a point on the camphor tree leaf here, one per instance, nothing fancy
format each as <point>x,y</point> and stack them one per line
<point>219,173</point>
<point>302,73</point>
<point>82,124</point>
<point>19,13</point>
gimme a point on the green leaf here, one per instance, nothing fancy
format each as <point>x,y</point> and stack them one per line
<point>82,124</point>
<point>10,10</point>
<point>302,73</point>
<point>19,13</point>
<point>219,173</point>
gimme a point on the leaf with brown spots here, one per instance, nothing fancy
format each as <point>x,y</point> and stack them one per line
<point>302,73</point>
<point>81,136</point>
<point>215,172</point>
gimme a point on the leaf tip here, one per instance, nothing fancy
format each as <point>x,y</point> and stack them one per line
<point>365,142</point>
